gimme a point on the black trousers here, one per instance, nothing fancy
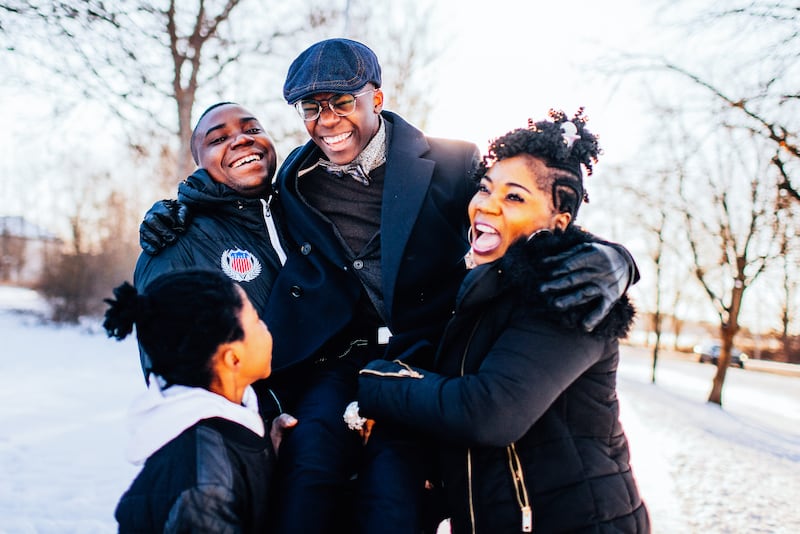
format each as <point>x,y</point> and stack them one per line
<point>327,479</point>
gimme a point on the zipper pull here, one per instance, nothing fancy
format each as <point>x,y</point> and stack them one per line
<point>527,519</point>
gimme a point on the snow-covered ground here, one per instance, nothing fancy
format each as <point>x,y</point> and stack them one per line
<point>64,393</point>
<point>702,469</point>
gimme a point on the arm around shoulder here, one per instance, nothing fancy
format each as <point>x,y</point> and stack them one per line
<point>595,273</point>
<point>162,224</point>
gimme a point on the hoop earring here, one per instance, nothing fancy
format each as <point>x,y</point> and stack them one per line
<point>469,235</point>
<point>539,231</point>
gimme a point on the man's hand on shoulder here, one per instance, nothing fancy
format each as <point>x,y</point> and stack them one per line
<point>589,273</point>
<point>162,225</point>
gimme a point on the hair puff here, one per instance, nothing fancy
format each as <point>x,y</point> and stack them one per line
<point>122,312</point>
<point>562,143</point>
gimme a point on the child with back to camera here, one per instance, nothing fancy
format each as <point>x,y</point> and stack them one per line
<point>208,462</point>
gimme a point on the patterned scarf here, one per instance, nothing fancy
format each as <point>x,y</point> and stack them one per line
<point>372,157</point>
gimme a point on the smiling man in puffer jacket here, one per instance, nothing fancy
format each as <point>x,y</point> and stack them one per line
<point>229,198</point>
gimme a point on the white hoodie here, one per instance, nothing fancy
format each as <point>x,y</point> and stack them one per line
<point>160,415</point>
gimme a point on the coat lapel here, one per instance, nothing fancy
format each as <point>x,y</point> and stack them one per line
<point>407,178</point>
<point>304,228</point>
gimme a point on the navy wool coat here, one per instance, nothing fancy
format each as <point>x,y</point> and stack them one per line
<point>423,230</point>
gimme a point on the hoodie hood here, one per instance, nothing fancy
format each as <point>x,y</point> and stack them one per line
<point>160,415</point>
<point>204,196</point>
<point>200,190</point>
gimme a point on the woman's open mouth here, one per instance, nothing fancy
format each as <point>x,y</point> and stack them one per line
<point>485,238</point>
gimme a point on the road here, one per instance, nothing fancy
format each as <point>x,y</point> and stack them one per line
<point>759,397</point>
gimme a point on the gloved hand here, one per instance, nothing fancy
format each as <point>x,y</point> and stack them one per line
<point>587,273</point>
<point>162,224</point>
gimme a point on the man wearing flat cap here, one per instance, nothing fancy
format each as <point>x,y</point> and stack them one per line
<point>377,232</point>
<point>376,223</point>
<point>372,216</point>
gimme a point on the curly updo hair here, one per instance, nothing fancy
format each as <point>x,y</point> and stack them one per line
<point>181,318</point>
<point>564,144</point>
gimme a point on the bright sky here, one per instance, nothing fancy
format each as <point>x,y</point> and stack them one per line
<point>511,59</point>
<point>505,61</point>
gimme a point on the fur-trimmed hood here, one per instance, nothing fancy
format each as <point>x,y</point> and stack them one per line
<point>522,270</point>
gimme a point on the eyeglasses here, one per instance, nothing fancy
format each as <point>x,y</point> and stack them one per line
<point>341,105</point>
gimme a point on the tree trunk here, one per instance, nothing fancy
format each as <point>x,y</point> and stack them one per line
<point>655,357</point>
<point>728,332</point>
<point>722,368</point>
<point>185,162</point>
<point>657,319</point>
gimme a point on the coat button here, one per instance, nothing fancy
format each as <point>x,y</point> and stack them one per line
<point>358,265</point>
<point>295,291</point>
<point>305,249</point>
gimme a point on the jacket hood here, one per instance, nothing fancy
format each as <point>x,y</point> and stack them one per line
<point>160,415</point>
<point>200,189</point>
<point>524,271</point>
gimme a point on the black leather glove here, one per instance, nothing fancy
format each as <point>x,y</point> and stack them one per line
<point>162,225</point>
<point>588,273</point>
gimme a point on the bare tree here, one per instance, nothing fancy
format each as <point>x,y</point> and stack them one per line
<point>677,320</point>
<point>750,76</point>
<point>147,59</point>
<point>658,317</point>
<point>736,155</point>
<point>99,253</point>
<point>653,214</point>
<point>784,137</point>
<point>722,186</point>
<point>12,254</point>
<point>728,203</point>
<point>790,285</point>
<point>649,215</point>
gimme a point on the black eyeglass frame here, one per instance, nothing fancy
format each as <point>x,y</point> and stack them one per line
<point>302,112</point>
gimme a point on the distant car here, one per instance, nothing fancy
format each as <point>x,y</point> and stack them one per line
<point>709,352</point>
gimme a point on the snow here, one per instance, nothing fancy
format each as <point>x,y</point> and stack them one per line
<point>64,393</point>
<point>704,469</point>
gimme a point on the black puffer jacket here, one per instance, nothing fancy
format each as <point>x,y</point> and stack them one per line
<point>523,404</point>
<point>214,477</point>
<point>228,232</point>
<point>222,222</point>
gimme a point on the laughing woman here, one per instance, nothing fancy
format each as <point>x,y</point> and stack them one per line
<point>522,402</point>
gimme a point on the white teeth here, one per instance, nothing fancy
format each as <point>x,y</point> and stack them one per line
<point>336,139</point>
<point>485,228</point>
<point>247,159</point>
